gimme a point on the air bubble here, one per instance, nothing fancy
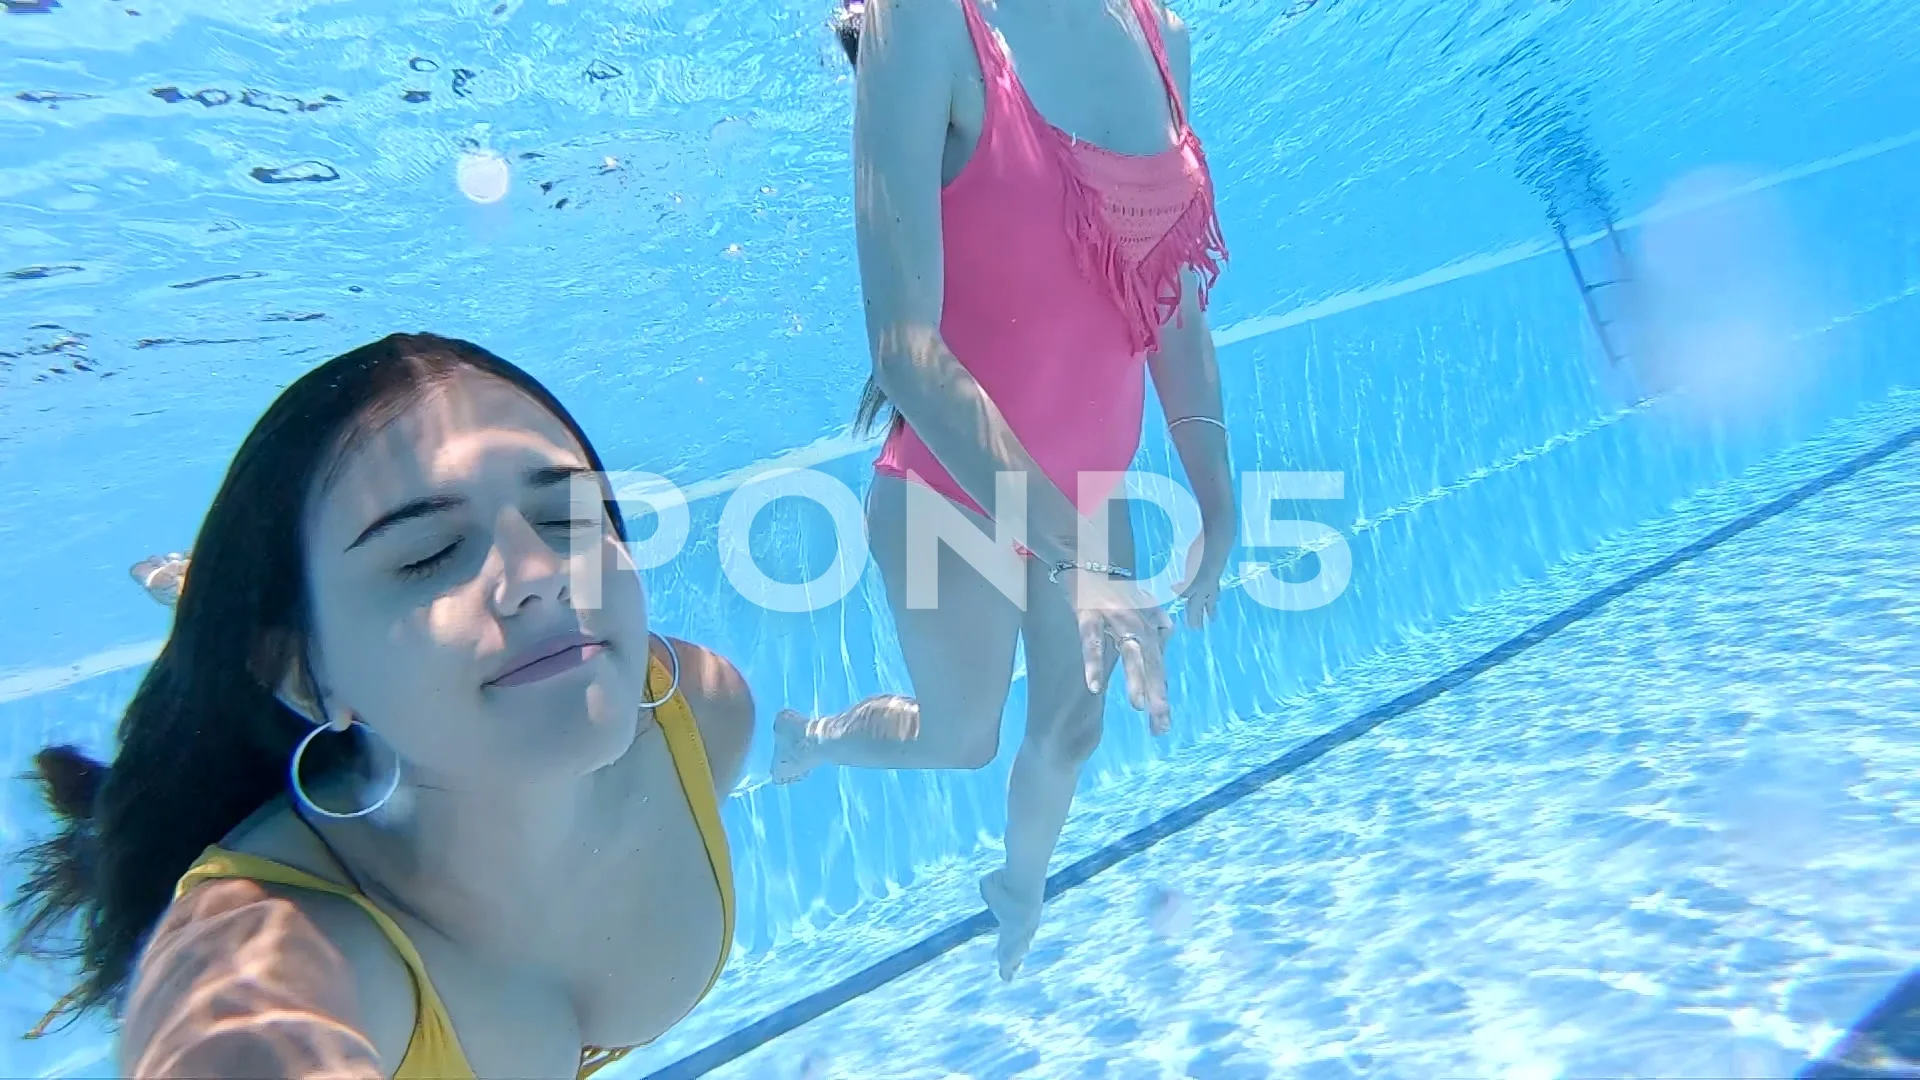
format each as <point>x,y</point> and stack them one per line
<point>483,176</point>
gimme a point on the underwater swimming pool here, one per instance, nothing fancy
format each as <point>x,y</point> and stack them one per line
<point>1662,831</point>
<point>197,203</point>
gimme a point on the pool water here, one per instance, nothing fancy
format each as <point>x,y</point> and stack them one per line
<point>1666,838</point>
<point>1669,840</point>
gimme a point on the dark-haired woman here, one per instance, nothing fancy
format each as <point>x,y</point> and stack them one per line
<point>412,790</point>
<point>1037,233</point>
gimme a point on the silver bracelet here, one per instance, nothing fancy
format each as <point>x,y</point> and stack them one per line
<point>1053,575</point>
<point>1171,424</point>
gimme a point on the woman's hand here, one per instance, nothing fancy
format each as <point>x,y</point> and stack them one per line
<point>1120,612</point>
<point>1206,562</point>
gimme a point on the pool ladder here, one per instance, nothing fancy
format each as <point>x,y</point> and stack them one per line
<point>1588,287</point>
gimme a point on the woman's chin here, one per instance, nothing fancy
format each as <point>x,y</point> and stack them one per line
<point>609,722</point>
<point>610,736</point>
<point>571,726</point>
<point>578,744</point>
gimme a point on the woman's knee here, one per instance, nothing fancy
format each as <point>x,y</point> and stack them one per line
<point>967,733</point>
<point>977,750</point>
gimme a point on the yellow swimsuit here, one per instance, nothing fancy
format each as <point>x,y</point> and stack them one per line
<point>434,1051</point>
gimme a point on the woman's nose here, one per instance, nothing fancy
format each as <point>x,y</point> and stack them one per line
<point>530,569</point>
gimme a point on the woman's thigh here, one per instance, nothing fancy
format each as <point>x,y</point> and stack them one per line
<point>958,628</point>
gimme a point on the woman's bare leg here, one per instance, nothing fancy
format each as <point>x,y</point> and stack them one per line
<point>1064,725</point>
<point>959,656</point>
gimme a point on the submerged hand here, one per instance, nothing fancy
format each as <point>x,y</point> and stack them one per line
<point>1206,562</point>
<point>1119,612</point>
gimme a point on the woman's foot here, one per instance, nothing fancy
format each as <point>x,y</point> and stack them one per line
<point>1019,920</point>
<point>161,576</point>
<point>793,748</point>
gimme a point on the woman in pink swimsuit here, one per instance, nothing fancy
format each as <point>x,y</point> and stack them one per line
<point>1032,244</point>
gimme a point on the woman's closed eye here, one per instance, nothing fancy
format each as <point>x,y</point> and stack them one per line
<point>566,533</point>
<point>423,567</point>
<point>565,527</point>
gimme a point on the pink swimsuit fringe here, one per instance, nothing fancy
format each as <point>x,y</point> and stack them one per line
<point>1147,291</point>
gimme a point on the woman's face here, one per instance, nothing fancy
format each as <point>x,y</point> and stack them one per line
<point>453,580</point>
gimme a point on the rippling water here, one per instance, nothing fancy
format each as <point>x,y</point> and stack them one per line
<point>197,201</point>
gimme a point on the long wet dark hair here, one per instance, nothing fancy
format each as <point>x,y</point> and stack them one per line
<point>206,742</point>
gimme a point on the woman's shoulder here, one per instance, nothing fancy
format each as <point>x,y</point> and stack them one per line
<point>917,25</point>
<point>722,707</point>
<point>1172,27</point>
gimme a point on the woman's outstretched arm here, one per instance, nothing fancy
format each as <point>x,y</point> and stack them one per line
<point>239,983</point>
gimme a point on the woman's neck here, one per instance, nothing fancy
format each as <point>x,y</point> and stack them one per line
<point>479,867</point>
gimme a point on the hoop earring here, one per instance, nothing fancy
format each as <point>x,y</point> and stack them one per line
<point>673,668</point>
<point>300,792</point>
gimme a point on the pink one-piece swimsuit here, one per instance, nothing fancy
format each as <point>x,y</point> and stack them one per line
<point>1063,260</point>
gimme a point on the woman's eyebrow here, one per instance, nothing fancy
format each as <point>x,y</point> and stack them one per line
<point>408,511</point>
<point>539,477</point>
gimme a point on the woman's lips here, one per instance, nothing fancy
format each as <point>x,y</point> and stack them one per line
<point>545,659</point>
